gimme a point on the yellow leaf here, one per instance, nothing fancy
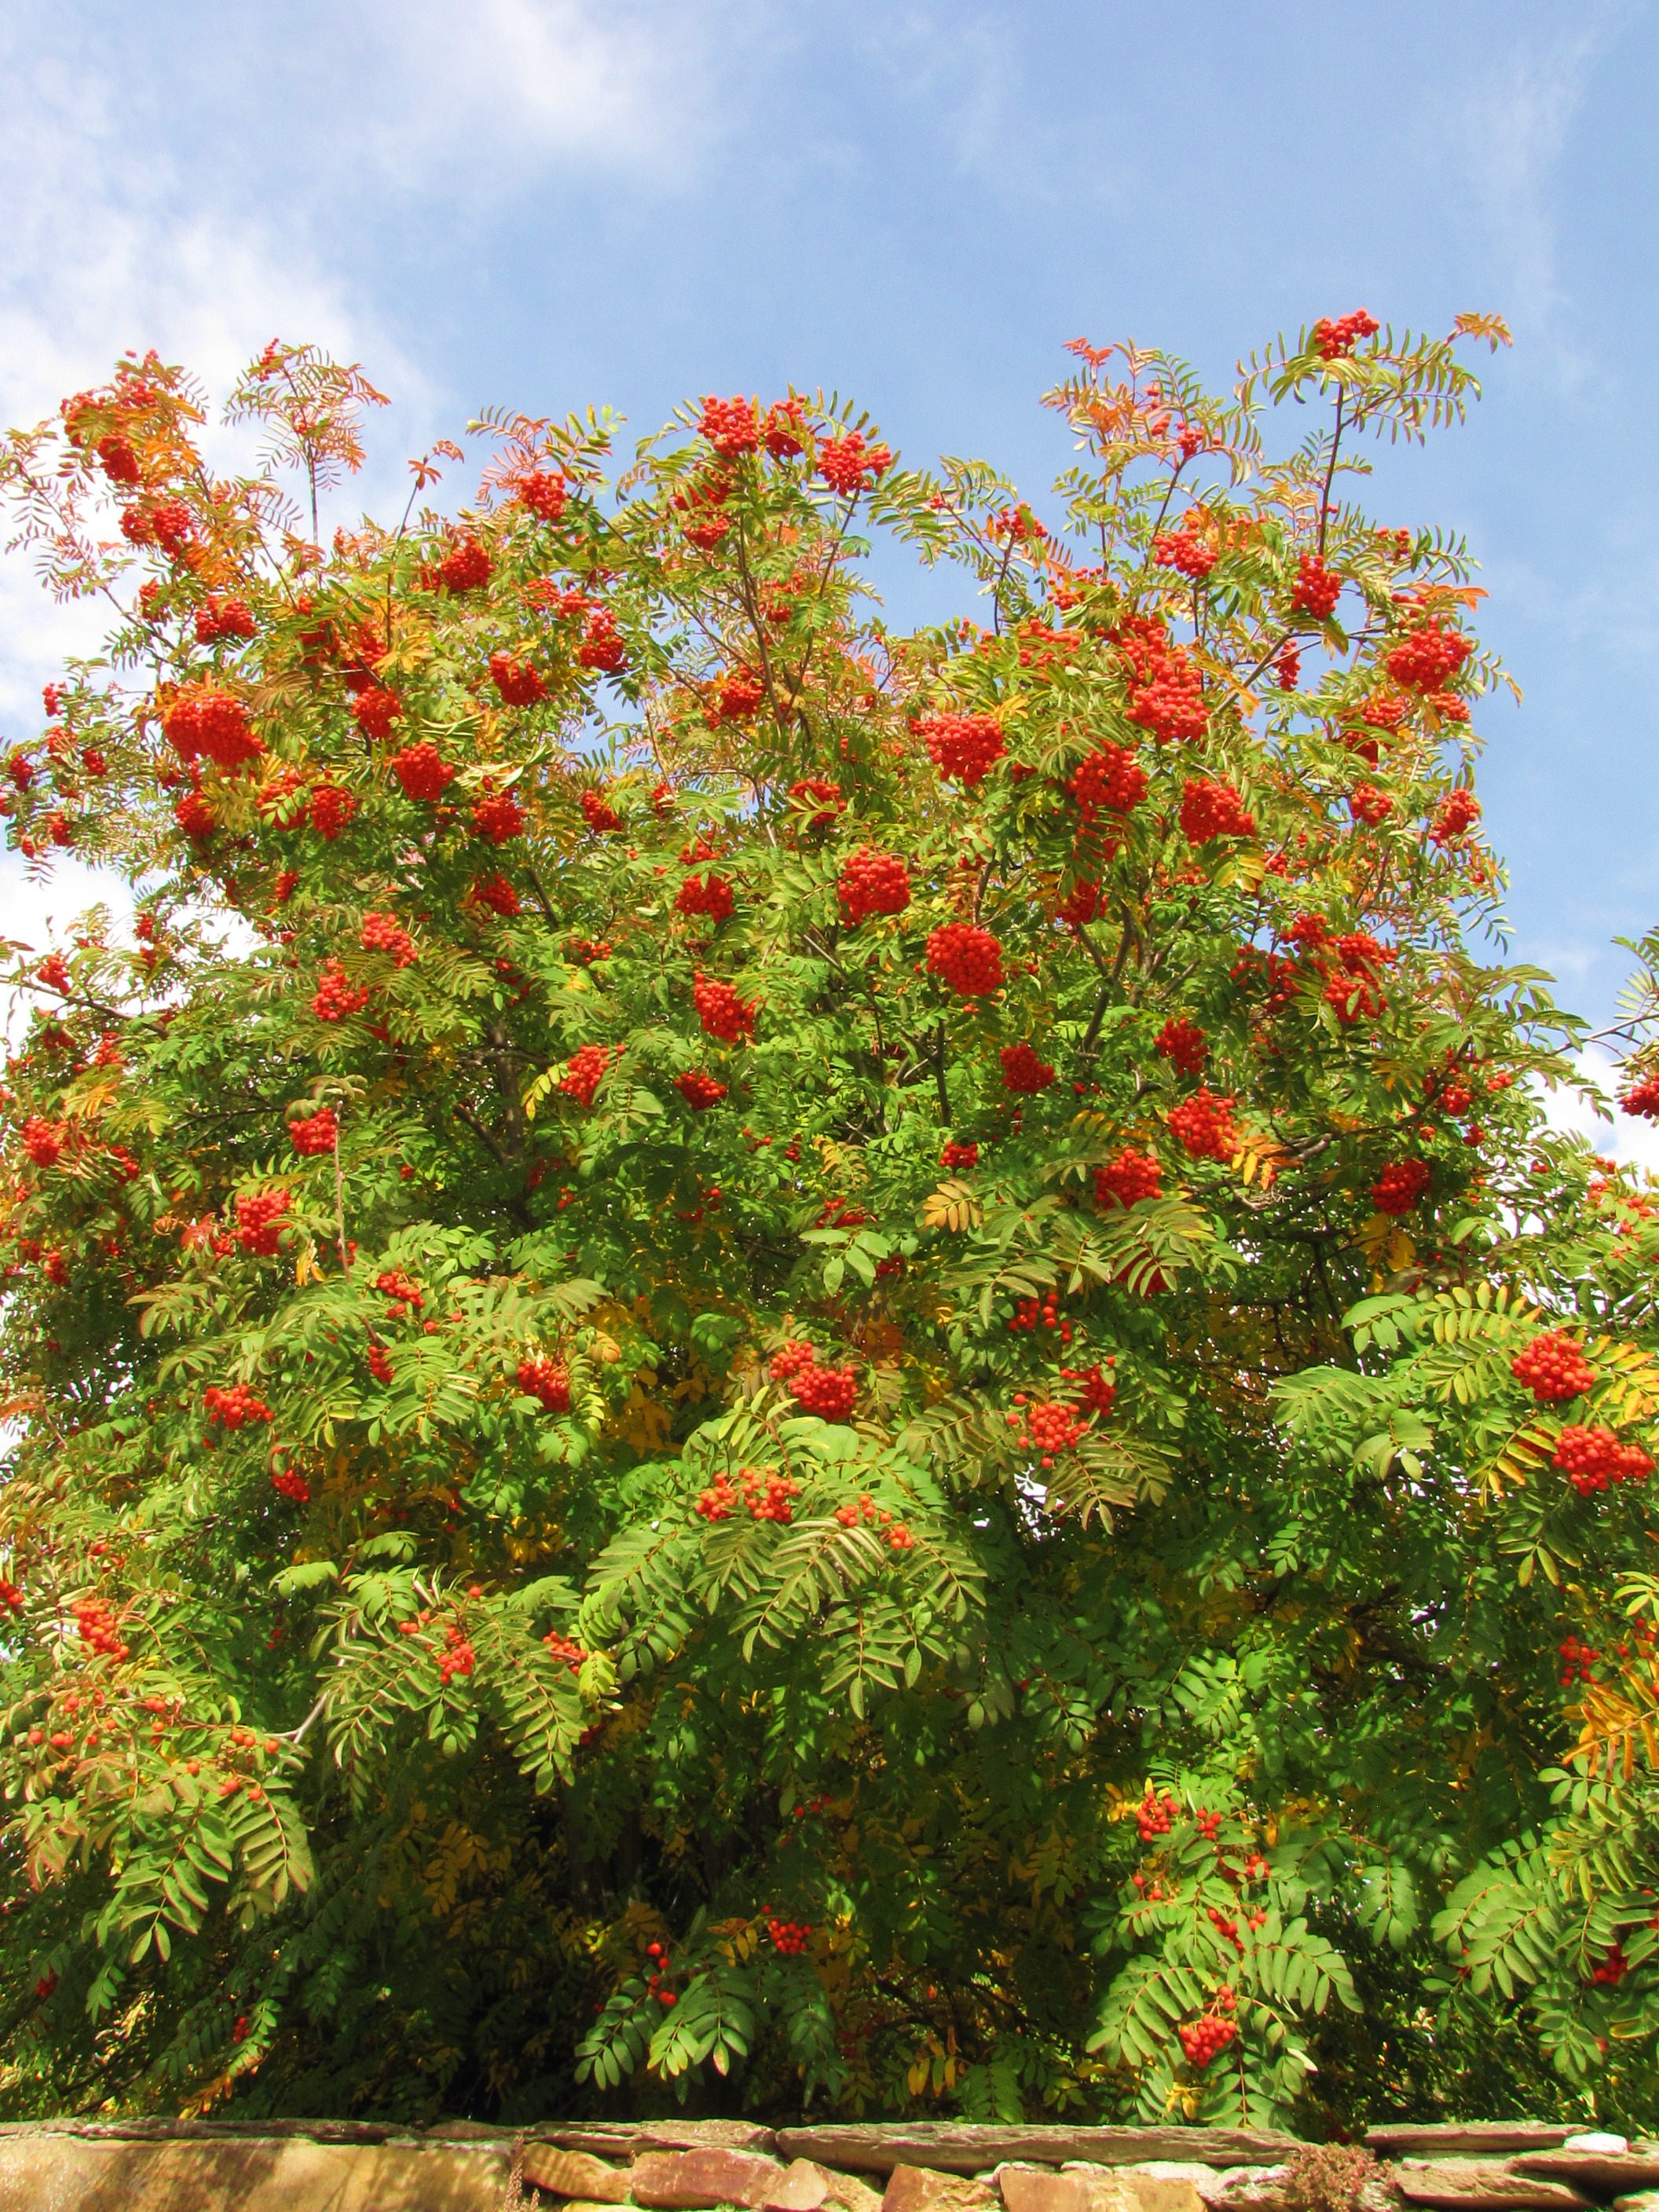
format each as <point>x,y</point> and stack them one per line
<point>953,1206</point>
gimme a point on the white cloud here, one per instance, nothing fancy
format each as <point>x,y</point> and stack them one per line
<point>1619,1137</point>
<point>488,89</point>
<point>1513,126</point>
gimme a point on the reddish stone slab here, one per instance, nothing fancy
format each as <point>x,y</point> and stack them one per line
<point>683,2180</point>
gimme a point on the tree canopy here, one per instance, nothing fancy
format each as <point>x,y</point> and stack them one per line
<point>758,1361</point>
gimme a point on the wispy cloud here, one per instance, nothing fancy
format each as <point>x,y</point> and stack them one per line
<point>1512,127</point>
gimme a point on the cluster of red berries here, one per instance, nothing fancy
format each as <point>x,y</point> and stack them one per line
<point>1166,694</point>
<point>465,567</point>
<point>1613,1966</point>
<point>543,492</point>
<point>1032,1313</point>
<point>872,882</point>
<point>955,1157</point>
<point>1369,804</point>
<point>403,1290</point>
<point>233,1407</point>
<point>823,800</point>
<point>497,894</point>
<point>290,1483</point>
<point>1203,1124</point>
<point>721,1011</point>
<point>737,695</point>
<point>1592,1458</point>
<point>44,1141</point>
<point>1643,1098</point>
<point>1079,906</point>
<point>1336,336</point>
<point>565,1649</point>
<point>789,1936</point>
<point>602,818</point>
<point>1180,550</point>
<point>601,647</point>
<point>1206,2039</point>
<point>1045,1426</point>
<point>1110,777</point>
<point>118,460</point>
<point>337,997</point>
<point>969,961</point>
<point>379,1360</point>
<point>10,1596</point>
<point>259,1220</point>
<point>830,1391</point>
<point>518,683</point>
<point>498,816</point>
<point>731,426</point>
<point>1316,589</point>
<point>547,1380</point>
<point>1422,661</point>
<point>163,522</point>
<point>217,619</point>
<point>1099,1392</point>
<point>1400,1185</point>
<point>384,932</point>
<point>1578,1661</point>
<point>213,726</point>
<point>331,809</point>
<point>710,895</point>
<point>654,1983</point>
<point>964,747</point>
<point>1288,666</point>
<point>584,1071</point>
<point>1022,1070</point>
<point>318,1133</point>
<point>1457,811</point>
<point>699,1090</point>
<point>1356,995</point>
<point>765,1493</point>
<point>457,1657</point>
<point>195,816</point>
<point>375,709</point>
<point>97,1626</point>
<point>1183,1044</point>
<point>1155,1814</point>
<point>846,464</point>
<point>1553,1368</point>
<point>1211,807</point>
<point>421,770</point>
<point>1127,1178</point>
<point>894,1535</point>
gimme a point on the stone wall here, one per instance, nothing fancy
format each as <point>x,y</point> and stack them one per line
<point>925,2165</point>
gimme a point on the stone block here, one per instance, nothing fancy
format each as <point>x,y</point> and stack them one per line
<point>850,2194</point>
<point>679,2180</point>
<point>1479,2184</point>
<point>962,2146</point>
<point>575,2173</point>
<point>1164,2185</point>
<point>922,2189</point>
<point>1075,2188</point>
<point>801,2186</point>
<point>1585,2164</point>
<point>1464,2138</point>
<point>53,2172</point>
<point>1245,2189</point>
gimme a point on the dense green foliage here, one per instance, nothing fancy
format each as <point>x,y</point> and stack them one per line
<point>758,1360</point>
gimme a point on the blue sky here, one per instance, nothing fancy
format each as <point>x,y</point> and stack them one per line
<point>547,203</point>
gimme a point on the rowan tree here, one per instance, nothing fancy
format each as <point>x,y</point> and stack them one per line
<point>758,1359</point>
